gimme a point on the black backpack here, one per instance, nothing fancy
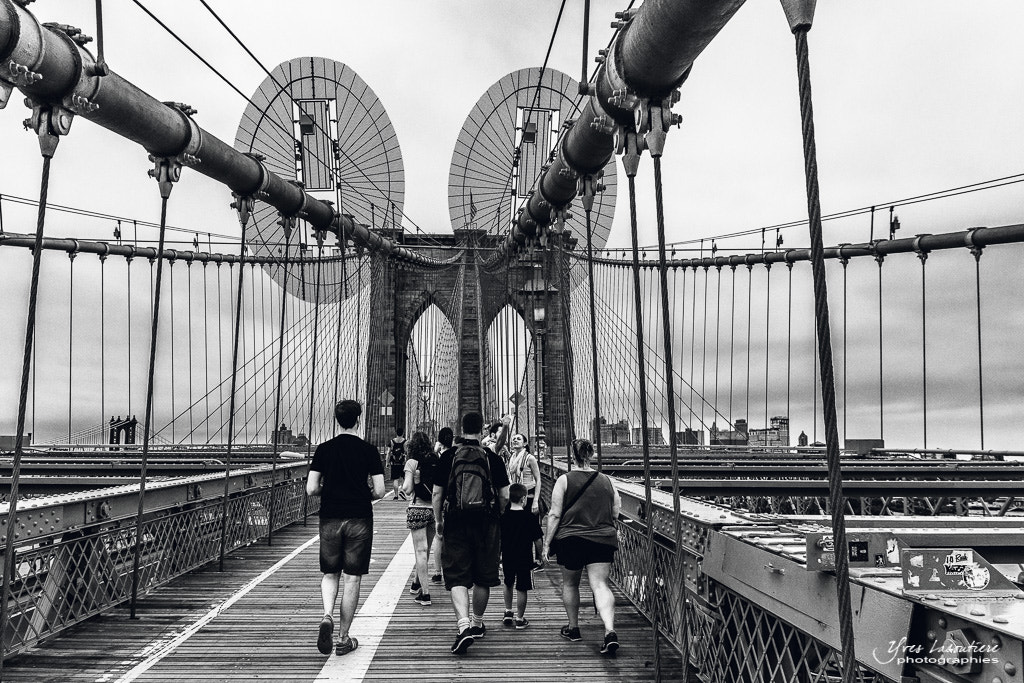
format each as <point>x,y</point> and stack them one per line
<point>397,456</point>
<point>470,488</point>
<point>428,475</point>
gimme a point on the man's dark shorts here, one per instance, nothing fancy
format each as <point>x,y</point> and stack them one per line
<point>469,554</point>
<point>518,575</point>
<point>345,545</point>
<point>575,553</point>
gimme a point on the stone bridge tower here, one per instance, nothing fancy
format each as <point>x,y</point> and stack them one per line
<point>470,299</point>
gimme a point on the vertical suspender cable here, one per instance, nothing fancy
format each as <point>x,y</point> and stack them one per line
<point>703,354</point>
<point>312,369</point>
<point>976,251</point>
<point>191,423</point>
<point>718,328</point>
<point>767,334</point>
<point>670,400</point>
<point>244,206</point>
<point>750,292</point>
<point>789,339</point>
<point>47,144</point>
<point>924,348</point>
<point>220,353</point>
<point>147,427</point>
<point>206,347</point>
<point>103,344</point>
<point>846,262</point>
<point>593,315</point>
<point>630,161</point>
<point>288,223</point>
<point>170,309</point>
<point>800,27</point>
<point>732,340</point>
<point>71,336</point>
<point>881,385</point>
<point>561,265</point>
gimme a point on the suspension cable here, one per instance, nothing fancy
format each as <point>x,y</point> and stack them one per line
<point>288,224</point>
<point>670,400</point>
<point>923,256</point>
<point>48,140</point>
<point>800,27</point>
<point>166,175</point>
<point>976,252</point>
<point>243,206</point>
<point>312,372</point>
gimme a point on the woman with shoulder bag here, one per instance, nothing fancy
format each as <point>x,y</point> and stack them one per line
<point>581,526</point>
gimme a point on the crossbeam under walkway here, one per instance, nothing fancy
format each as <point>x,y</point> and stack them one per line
<point>258,619</point>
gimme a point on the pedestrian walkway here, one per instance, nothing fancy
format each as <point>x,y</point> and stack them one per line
<point>258,620</point>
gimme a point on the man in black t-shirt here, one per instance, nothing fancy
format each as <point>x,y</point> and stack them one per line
<point>471,545</point>
<point>338,474</point>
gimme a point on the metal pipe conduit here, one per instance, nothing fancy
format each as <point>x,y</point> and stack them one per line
<point>972,238</point>
<point>50,67</point>
<point>650,57</point>
<point>73,246</point>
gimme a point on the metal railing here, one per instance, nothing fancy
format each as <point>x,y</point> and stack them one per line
<point>74,552</point>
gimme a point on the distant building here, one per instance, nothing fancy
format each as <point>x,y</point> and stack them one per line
<point>611,432</point>
<point>690,437</point>
<point>655,437</point>
<point>284,437</point>
<point>725,437</point>
<point>777,434</point>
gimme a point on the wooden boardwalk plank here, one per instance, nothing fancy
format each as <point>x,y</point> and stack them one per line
<point>270,633</point>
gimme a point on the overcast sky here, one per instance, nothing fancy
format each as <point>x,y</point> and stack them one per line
<point>910,98</point>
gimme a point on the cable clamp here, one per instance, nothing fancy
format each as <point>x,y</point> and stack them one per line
<point>166,171</point>
<point>49,122</point>
<point>243,206</point>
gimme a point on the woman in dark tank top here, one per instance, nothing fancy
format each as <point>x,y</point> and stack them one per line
<point>581,532</point>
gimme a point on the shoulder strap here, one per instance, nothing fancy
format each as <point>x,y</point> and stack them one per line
<point>590,480</point>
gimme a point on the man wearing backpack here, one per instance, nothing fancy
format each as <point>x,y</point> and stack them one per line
<point>470,493</point>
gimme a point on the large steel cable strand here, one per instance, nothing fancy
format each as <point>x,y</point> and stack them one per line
<point>243,205</point>
<point>288,224</point>
<point>670,397</point>
<point>923,256</point>
<point>976,252</point>
<point>48,139</point>
<point>800,18</point>
<point>631,160</point>
<point>166,173</point>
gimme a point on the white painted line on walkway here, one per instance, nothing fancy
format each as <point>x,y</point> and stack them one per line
<point>163,647</point>
<point>372,619</point>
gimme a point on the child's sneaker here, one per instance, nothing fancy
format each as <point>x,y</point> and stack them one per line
<point>571,633</point>
<point>508,619</point>
<point>415,587</point>
<point>423,598</point>
<point>611,644</point>
<point>522,623</point>
<point>436,578</point>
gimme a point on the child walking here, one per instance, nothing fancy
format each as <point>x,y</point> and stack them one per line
<point>520,531</point>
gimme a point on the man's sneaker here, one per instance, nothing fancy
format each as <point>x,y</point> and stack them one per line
<point>346,647</point>
<point>325,640</point>
<point>522,623</point>
<point>478,631</point>
<point>462,642</point>
<point>508,619</point>
<point>571,633</point>
<point>611,644</point>
<point>415,587</point>
<point>423,598</point>
<point>436,578</point>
